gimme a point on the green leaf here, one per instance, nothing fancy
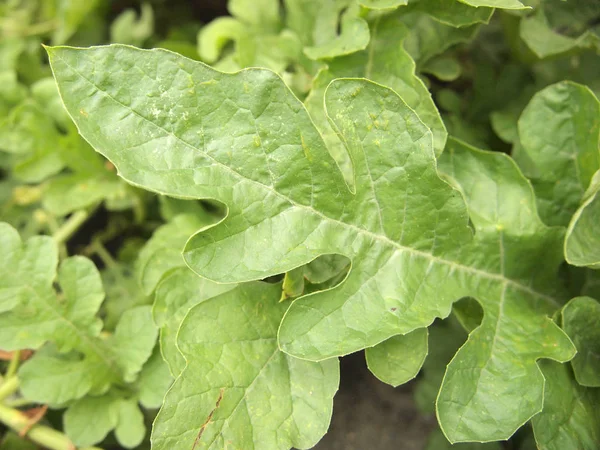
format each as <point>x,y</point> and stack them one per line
<point>89,420</point>
<point>503,4</point>
<point>354,36</point>
<point>437,441</point>
<point>134,340</point>
<point>399,359</point>
<point>570,415</point>
<point>245,392</point>
<point>154,381</point>
<point>293,284</point>
<point>130,429</point>
<point>70,15</point>
<point>582,243</point>
<point>382,4</point>
<point>68,193</point>
<point>327,29</point>
<point>162,252</point>
<point>12,441</point>
<point>386,62</point>
<point>287,206</point>
<point>85,431</point>
<point>444,68</point>
<point>507,226</point>
<point>127,28</point>
<point>580,319</point>
<point>445,338</point>
<point>559,132</point>
<point>430,37</point>
<point>557,29</point>
<point>31,135</point>
<point>453,13</point>
<point>176,295</point>
<point>33,313</point>
<point>122,293</point>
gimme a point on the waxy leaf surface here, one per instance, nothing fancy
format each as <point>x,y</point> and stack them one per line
<point>181,128</point>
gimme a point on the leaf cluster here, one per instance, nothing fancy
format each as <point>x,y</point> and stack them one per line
<point>194,233</point>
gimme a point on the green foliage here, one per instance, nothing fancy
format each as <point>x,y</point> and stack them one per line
<point>196,246</point>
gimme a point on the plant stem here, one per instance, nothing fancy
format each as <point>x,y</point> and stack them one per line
<point>9,387</point>
<point>71,225</point>
<point>18,403</point>
<point>40,434</point>
<point>14,364</point>
<point>104,255</point>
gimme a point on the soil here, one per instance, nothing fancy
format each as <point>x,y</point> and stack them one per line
<point>371,415</point>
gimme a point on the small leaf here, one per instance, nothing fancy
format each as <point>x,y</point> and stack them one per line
<point>570,415</point>
<point>127,28</point>
<point>582,242</point>
<point>89,420</point>
<point>130,429</point>
<point>399,359</point>
<point>35,314</point>
<point>354,36</point>
<point>382,4</point>
<point>453,13</point>
<point>559,132</point>
<point>580,318</point>
<point>245,392</point>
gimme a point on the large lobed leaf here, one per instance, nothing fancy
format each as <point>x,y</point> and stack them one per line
<point>177,127</point>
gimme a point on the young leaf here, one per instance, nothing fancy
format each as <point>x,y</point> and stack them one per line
<point>31,136</point>
<point>245,392</point>
<point>287,206</point>
<point>89,420</point>
<point>580,319</point>
<point>127,28</point>
<point>33,314</point>
<point>582,242</point>
<point>559,132</point>
<point>399,359</point>
<point>384,61</point>
<point>454,13</point>
<point>570,415</point>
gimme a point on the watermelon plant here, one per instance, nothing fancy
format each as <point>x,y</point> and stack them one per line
<point>201,215</point>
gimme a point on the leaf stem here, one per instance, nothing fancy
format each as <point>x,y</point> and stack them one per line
<point>100,250</point>
<point>18,402</point>
<point>70,226</point>
<point>9,387</point>
<point>14,364</point>
<point>45,436</point>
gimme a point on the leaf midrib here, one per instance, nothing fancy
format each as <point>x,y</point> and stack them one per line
<point>453,264</point>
